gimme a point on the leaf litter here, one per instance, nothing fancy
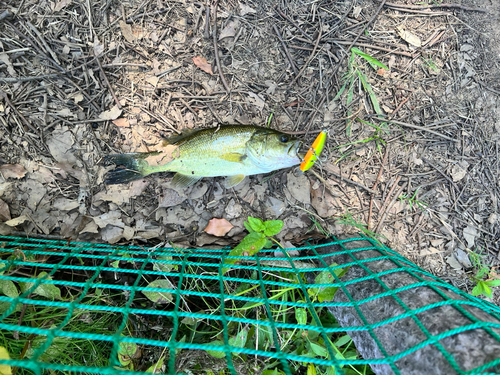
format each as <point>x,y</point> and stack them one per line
<point>54,131</point>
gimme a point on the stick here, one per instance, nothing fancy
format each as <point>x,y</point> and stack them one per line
<point>216,49</point>
<point>290,60</point>
<point>108,84</point>
<point>310,57</point>
<point>384,160</point>
<point>293,23</point>
<point>329,169</point>
<point>421,7</point>
<point>418,128</point>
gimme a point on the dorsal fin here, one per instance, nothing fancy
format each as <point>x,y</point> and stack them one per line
<point>180,138</point>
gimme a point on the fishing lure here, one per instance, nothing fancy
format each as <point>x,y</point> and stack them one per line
<point>314,151</point>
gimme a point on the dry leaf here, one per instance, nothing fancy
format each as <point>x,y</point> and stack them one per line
<point>112,114</point>
<point>228,31</point>
<point>152,80</point>
<point>218,227</point>
<point>10,68</point>
<point>122,122</point>
<point>16,221</point>
<point>65,204</point>
<point>299,187</point>
<point>167,153</point>
<point>4,211</point>
<point>12,171</point>
<point>245,9</point>
<point>256,100</point>
<point>61,4</point>
<point>408,36</point>
<point>459,171</point>
<point>127,32</point>
<point>98,48</point>
<point>109,218</point>
<point>202,63</point>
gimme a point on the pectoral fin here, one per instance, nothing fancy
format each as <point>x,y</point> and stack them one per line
<point>233,180</point>
<point>233,156</point>
<point>182,181</point>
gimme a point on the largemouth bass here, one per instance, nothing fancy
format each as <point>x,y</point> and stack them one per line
<point>235,151</point>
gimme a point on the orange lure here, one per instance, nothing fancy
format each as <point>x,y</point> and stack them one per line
<point>314,151</point>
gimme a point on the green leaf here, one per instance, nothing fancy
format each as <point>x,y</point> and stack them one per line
<point>487,290</point>
<point>216,353</point>
<point>248,227</point>
<point>301,316</point>
<point>493,283</point>
<point>478,289</point>
<point>268,244</point>
<point>311,369</point>
<point>371,94</point>
<point>250,245</point>
<point>273,372</point>
<point>342,340</point>
<point>8,288</point>
<point>318,349</point>
<point>160,296</point>
<point>325,277</point>
<point>127,351</point>
<point>256,224</point>
<point>164,267</point>
<point>368,58</point>
<point>4,369</point>
<point>49,291</point>
<point>272,227</point>
<point>240,339</point>
<point>115,264</point>
<point>157,367</point>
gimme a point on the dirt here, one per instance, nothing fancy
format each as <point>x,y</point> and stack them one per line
<point>81,81</point>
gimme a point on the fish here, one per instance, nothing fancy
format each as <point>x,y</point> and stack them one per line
<point>234,151</point>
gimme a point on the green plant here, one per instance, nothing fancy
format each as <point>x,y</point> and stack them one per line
<point>348,219</point>
<point>259,237</point>
<point>482,271</point>
<point>413,200</point>
<point>353,73</point>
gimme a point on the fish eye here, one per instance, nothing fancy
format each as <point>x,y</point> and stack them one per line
<point>284,138</point>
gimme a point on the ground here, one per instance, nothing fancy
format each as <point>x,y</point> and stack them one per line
<point>414,124</point>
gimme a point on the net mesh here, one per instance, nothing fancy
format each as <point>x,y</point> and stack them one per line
<point>96,308</point>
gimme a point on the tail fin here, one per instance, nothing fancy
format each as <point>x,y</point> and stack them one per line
<point>127,168</point>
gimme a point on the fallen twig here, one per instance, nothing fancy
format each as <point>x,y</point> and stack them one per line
<point>384,161</point>
<point>343,179</point>
<point>310,57</point>
<point>108,84</point>
<point>437,6</point>
<point>416,127</point>
<point>293,23</point>
<point>389,206</point>
<point>287,53</point>
<point>216,50</point>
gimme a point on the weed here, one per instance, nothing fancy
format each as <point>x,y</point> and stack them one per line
<point>482,271</point>
<point>355,72</point>
<point>413,200</point>
<point>348,219</point>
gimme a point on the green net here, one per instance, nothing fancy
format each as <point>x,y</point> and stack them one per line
<point>328,308</point>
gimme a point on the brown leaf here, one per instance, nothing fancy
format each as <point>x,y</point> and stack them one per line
<point>60,4</point>
<point>202,63</point>
<point>218,227</point>
<point>112,114</point>
<point>167,153</point>
<point>4,211</point>
<point>12,171</point>
<point>122,122</point>
<point>127,32</point>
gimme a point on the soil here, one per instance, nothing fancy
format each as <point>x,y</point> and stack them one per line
<point>412,154</point>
